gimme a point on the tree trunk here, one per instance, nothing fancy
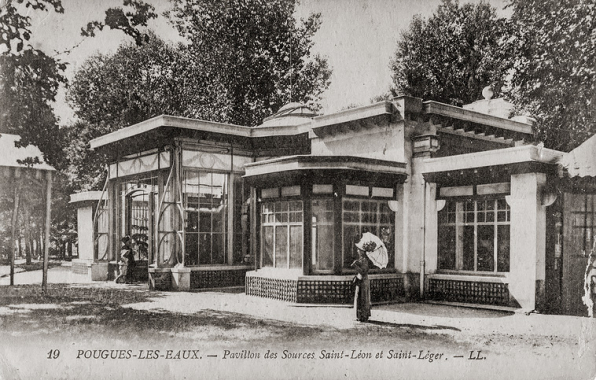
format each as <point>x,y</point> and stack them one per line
<point>19,242</point>
<point>27,233</point>
<point>48,221</point>
<point>15,217</point>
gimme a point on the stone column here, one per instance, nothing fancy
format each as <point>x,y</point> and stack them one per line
<point>528,240</point>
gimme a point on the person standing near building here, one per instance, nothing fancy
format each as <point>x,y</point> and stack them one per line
<point>362,291</point>
<point>127,261</point>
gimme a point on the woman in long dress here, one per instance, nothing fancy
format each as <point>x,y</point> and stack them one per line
<point>362,293</point>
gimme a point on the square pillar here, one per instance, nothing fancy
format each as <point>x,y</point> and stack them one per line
<point>431,227</point>
<point>85,231</point>
<point>86,202</point>
<point>180,278</point>
<point>528,240</point>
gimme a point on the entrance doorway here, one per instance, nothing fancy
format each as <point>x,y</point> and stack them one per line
<point>139,201</point>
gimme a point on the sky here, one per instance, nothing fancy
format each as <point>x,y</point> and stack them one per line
<point>358,38</point>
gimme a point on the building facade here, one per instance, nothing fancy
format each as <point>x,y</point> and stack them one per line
<point>464,202</point>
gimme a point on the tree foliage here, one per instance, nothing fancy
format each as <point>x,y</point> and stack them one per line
<point>29,81</point>
<point>451,56</point>
<point>139,14</point>
<point>554,76</point>
<point>111,91</point>
<point>257,51</point>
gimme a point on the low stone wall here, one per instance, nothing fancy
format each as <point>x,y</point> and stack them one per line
<point>187,278</point>
<point>160,279</point>
<point>478,292</point>
<point>323,289</point>
<point>217,278</point>
<point>276,288</point>
<point>81,267</point>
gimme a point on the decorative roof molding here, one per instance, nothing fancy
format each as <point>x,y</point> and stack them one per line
<point>436,108</point>
<point>328,124</point>
<point>309,162</point>
<point>507,156</point>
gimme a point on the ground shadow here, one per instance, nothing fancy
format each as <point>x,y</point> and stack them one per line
<point>95,311</point>
<point>447,311</point>
<point>411,326</point>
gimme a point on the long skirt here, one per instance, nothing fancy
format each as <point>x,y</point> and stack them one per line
<point>362,300</point>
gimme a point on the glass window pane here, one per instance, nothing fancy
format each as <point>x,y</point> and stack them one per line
<point>322,234</point>
<point>192,221</point>
<point>446,245</point>
<point>468,247</point>
<point>267,248</point>
<point>296,247</point>
<point>490,216</point>
<point>205,221</point>
<point>191,249</point>
<point>281,247</point>
<point>353,206</point>
<point>351,217</point>
<point>350,238</point>
<point>486,252</point>
<point>204,249</point>
<point>387,236</point>
<point>503,238</point>
<point>502,216</point>
<point>323,247</point>
<point>218,249</point>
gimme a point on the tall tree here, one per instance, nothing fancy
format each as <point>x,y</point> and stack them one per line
<point>554,75</point>
<point>451,56</point>
<point>111,91</point>
<point>258,52</point>
<point>29,80</point>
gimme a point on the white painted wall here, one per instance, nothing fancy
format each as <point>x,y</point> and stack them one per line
<point>528,238</point>
<point>85,232</point>
<point>383,142</point>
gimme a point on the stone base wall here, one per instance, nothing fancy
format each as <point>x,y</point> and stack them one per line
<point>81,268</point>
<point>160,280</point>
<point>279,289</point>
<point>219,278</point>
<point>322,291</point>
<point>486,293</point>
<point>318,289</point>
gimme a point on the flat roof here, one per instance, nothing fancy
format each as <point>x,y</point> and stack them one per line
<point>169,121</point>
<point>506,156</point>
<point>317,126</point>
<point>310,162</point>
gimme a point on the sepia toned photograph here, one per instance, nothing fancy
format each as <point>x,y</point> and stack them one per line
<point>298,189</point>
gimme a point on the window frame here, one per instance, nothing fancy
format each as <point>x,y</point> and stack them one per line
<point>378,225</point>
<point>313,225</point>
<point>460,222</point>
<point>225,222</point>
<point>288,224</point>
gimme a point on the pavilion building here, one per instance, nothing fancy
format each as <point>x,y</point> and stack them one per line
<point>464,201</point>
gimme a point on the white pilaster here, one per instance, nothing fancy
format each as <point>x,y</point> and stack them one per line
<point>528,233</point>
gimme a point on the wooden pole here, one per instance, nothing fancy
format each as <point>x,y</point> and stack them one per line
<point>44,282</point>
<point>15,216</point>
